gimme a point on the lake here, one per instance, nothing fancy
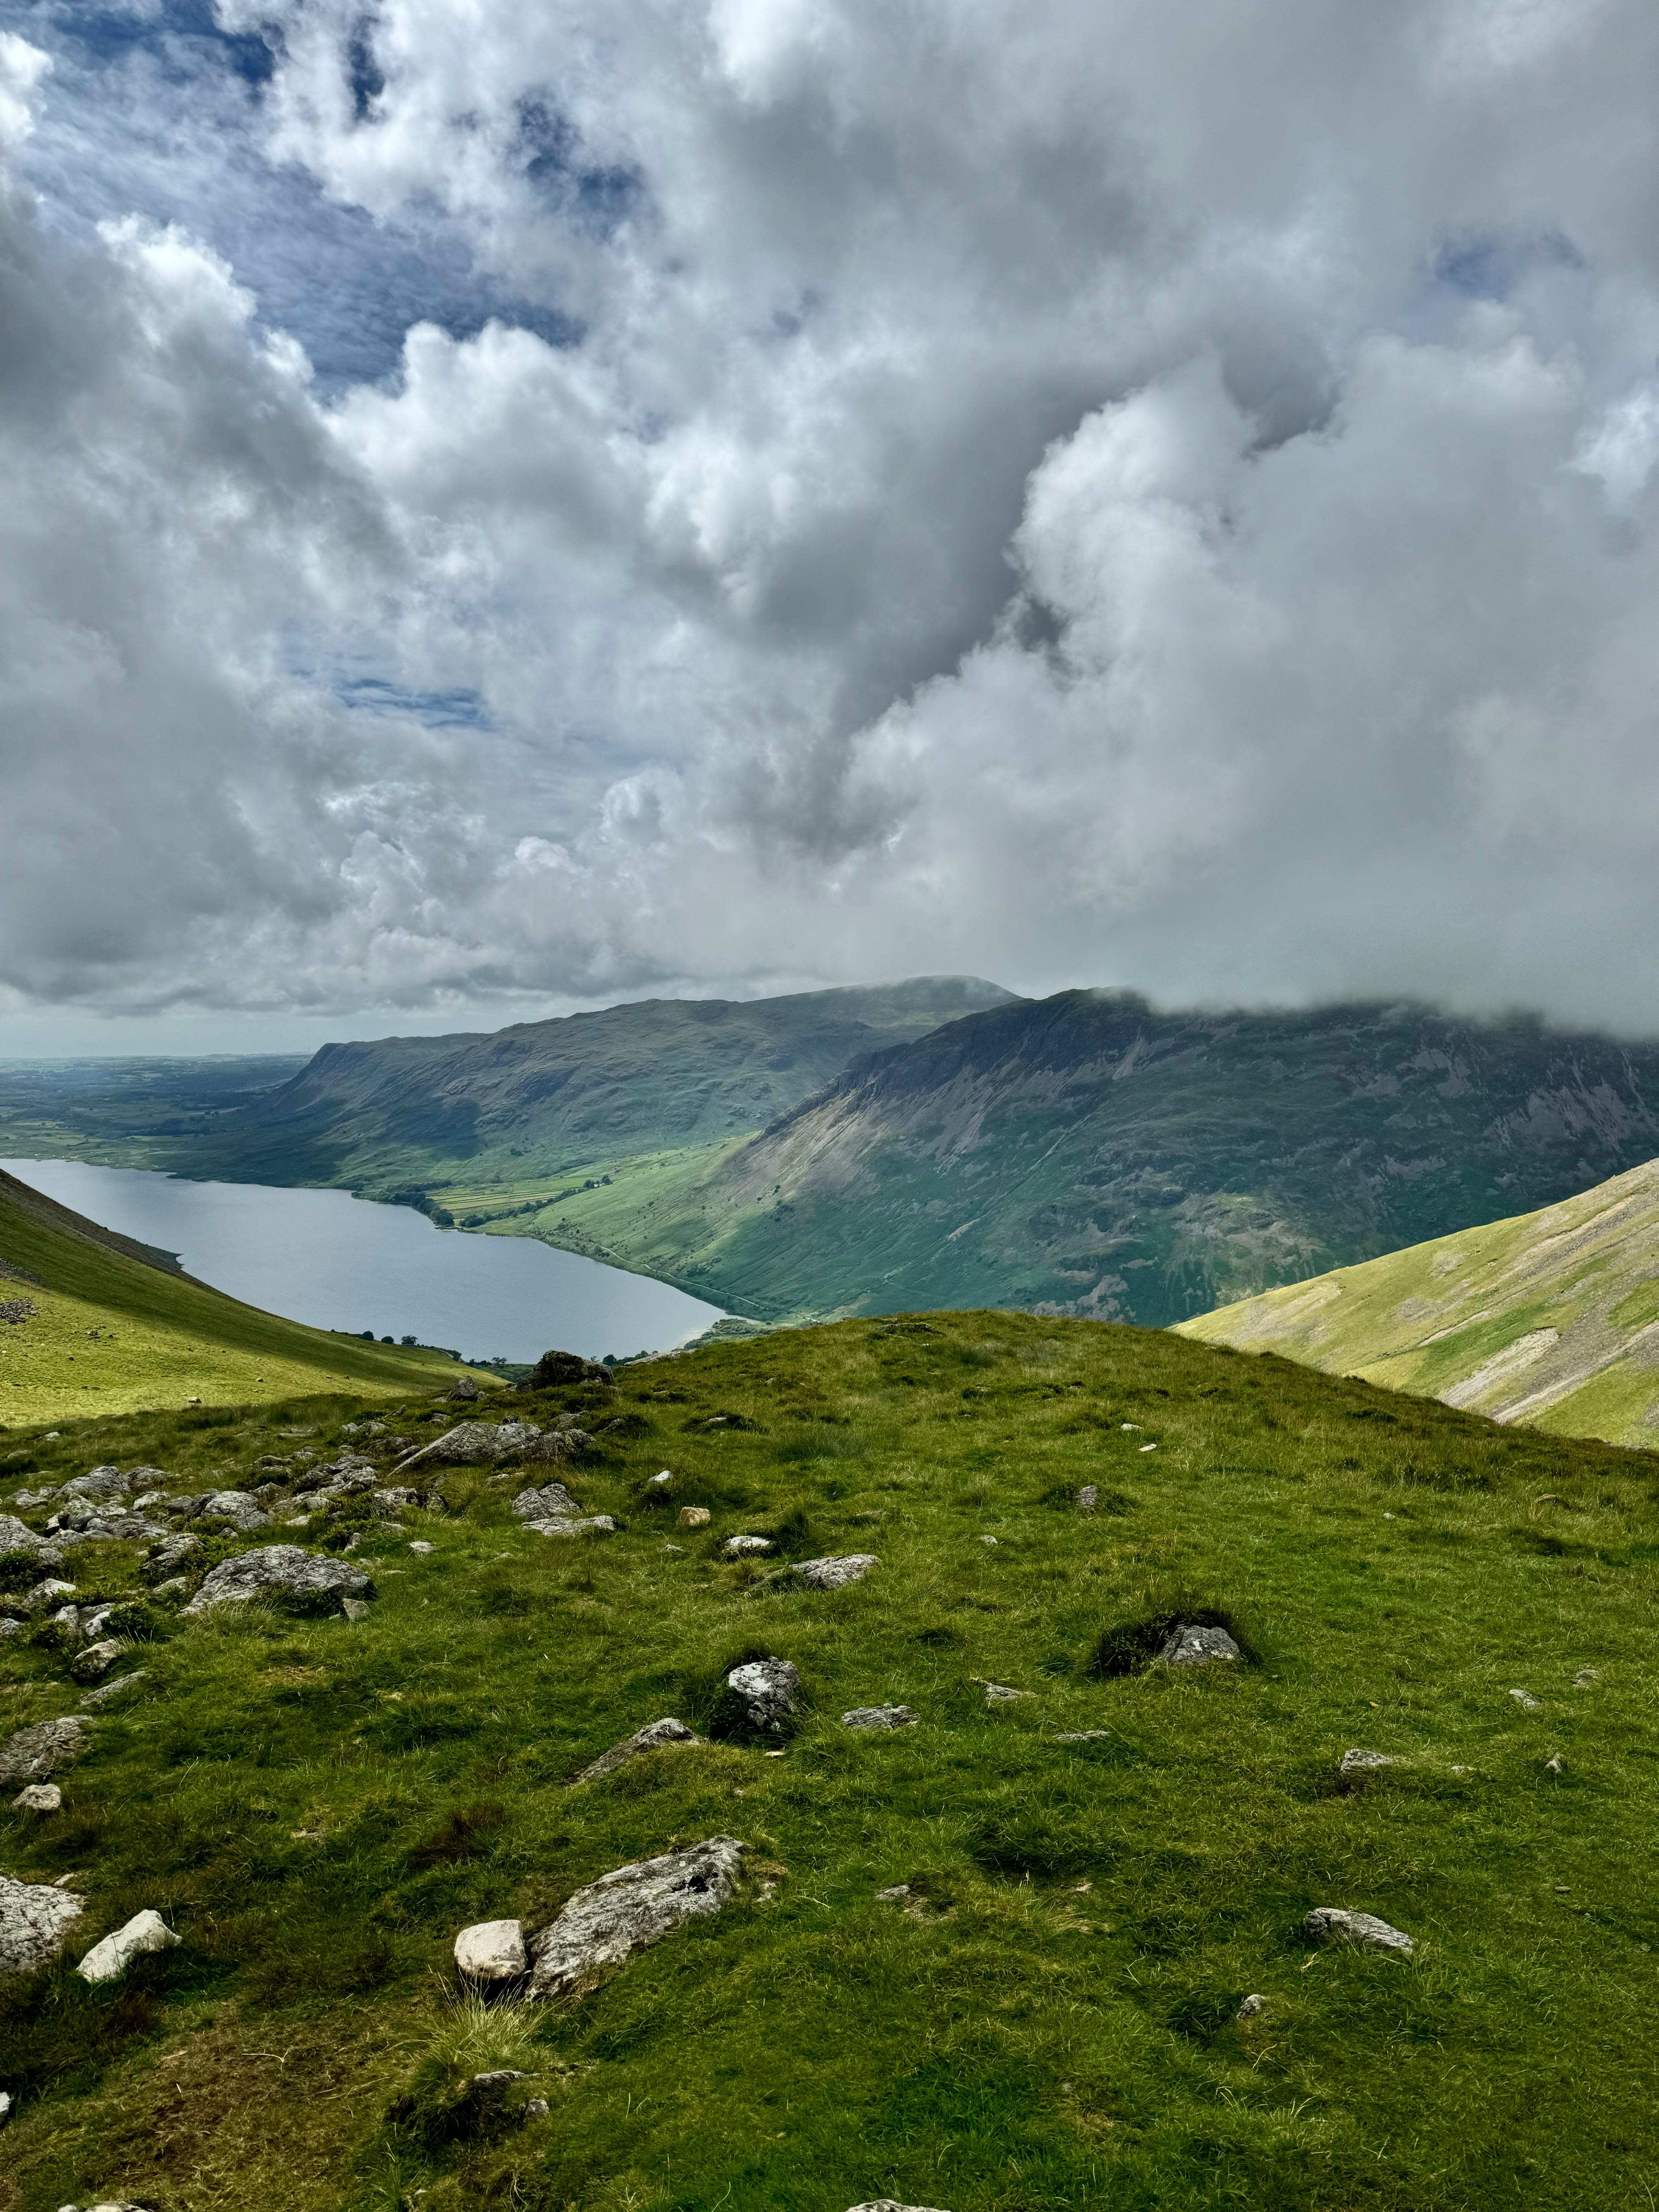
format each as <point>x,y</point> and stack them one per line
<point>336,1261</point>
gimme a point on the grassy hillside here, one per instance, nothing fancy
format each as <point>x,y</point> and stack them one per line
<point>1087,1155</point>
<point>1551,1318</point>
<point>1099,1871</point>
<point>137,1332</point>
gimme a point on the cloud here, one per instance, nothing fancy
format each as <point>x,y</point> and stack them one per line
<point>1081,492</point>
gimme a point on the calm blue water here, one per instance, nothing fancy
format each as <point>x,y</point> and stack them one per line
<point>337,1261</point>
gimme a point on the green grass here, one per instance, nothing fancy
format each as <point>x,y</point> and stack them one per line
<point>316,1807</point>
<point>110,1332</point>
<point>1432,1318</point>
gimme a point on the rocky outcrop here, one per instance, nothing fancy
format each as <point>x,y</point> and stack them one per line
<point>35,1919</point>
<point>652,1737</point>
<point>1331,1923</point>
<point>305,1582</point>
<point>36,1753</point>
<point>630,1909</point>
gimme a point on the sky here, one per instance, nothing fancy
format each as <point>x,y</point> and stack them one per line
<point>506,508</point>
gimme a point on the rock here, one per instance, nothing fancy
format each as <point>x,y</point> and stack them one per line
<point>555,1444</point>
<point>100,1482</point>
<point>401,1499</point>
<point>878,1716</point>
<point>1329,1924</point>
<point>16,1535</point>
<point>694,1516</point>
<point>46,1593</point>
<point>537,2108</point>
<point>492,1951</point>
<point>5,2107</point>
<point>1196,1646</point>
<point>309,1582</point>
<point>116,1689</point>
<point>39,1797</point>
<point>876,2205</point>
<point>96,1659</point>
<point>236,1506</point>
<point>1088,1498</point>
<point>1248,2009</point>
<point>1585,1676</point>
<point>1553,1766</point>
<point>268,1461</point>
<point>421,1545</point>
<point>35,1753</point>
<point>108,1961</point>
<point>987,1540</point>
<point>469,1444</point>
<point>1527,1702</point>
<point>628,1909</point>
<point>354,1608</point>
<point>767,1690</point>
<point>558,1371</point>
<point>551,1501</point>
<point>466,1388</point>
<point>172,1553</point>
<point>739,1547</point>
<point>1084,1735</point>
<point>666,1476</point>
<point>834,1573</point>
<point>10,1627</point>
<point>897,1895</point>
<point>998,1694</point>
<point>652,1737</point>
<point>595,1524</point>
<point>34,1921</point>
<point>1362,1762</point>
<point>175,1586</point>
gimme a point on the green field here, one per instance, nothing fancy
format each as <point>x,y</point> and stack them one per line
<point>316,1807</point>
<point>1548,1318</point>
<point>138,1334</point>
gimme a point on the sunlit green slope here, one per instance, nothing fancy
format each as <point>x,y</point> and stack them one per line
<point>91,1323</point>
<point>1550,1318</point>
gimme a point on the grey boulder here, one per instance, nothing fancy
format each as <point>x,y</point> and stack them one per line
<point>172,1552</point>
<point>95,1661</point>
<point>738,1547</point>
<point>311,1581</point>
<point>1196,1646</point>
<point>34,1920</point>
<point>469,1444</point>
<point>594,1524</point>
<point>836,1572</point>
<point>652,1737</point>
<point>1330,1924</point>
<point>39,1797</point>
<point>491,1951</point>
<point>236,1506</point>
<point>629,1909</point>
<point>36,1753</point>
<point>551,1502</point>
<point>879,1716</point>
<point>16,1535</point>
<point>766,1689</point>
<point>100,1482</point>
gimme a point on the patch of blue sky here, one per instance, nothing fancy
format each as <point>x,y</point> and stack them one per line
<point>458,709</point>
<point>153,111</point>
<point>1541,273</point>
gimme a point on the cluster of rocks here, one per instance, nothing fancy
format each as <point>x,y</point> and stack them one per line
<point>483,1444</point>
<point>550,1511</point>
<point>35,1920</point>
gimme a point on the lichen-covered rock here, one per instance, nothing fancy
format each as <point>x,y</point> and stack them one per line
<point>34,1919</point>
<point>552,1501</point>
<point>1088,1498</point>
<point>16,1535</point>
<point>554,1445</point>
<point>765,1690</point>
<point>561,1524</point>
<point>1330,1924</point>
<point>306,1581</point>
<point>39,1797</point>
<point>172,1553</point>
<point>628,1909</point>
<point>236,1506</point>
<point>108,1961</point>
<point>1360,1761</point>
<point>36,1753</point>
<point>739,1547</point>
<point>886,2204</point>
<point>879,1716</point>
<point>96,1659</point>
<point>107,1692</point>
<point>469,1444</point>
<point>652,1737</point>
<point>836,1572</point>
<point>492,1951</point>
<point>106,1481</point>
<point>1195,1646</point>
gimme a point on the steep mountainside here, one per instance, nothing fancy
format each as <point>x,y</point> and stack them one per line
<point>1039,1943</point>
<point>139,1332</point>
<point>1089,1156</point>
<point>544,1098</point>
<point>1551,1318</point>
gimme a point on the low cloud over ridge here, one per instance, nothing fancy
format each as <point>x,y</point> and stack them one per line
<point>1072,492</point>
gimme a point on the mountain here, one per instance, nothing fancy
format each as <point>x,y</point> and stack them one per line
<point>1551,1318</point>
<point>140,1332</point>
<point>1084,1154</point>
<point>541,1099</point>
<point>998,1959</point>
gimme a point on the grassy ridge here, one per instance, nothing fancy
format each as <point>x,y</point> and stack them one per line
<point>1548,1318</point>
<point>317,1807</point>
<point>110,1332</point>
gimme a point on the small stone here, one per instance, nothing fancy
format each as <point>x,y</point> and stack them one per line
<point>1146,1448</point>
<point>39,1797</point>
<point>5,2106</point>
<point>677,1549</point>
<point>420,1545</point>
<point>1196,1646</point>
<point>629,1908</point>
<point>987,1540</point>
<point>694,1516</point>
<point>897,1895</point>
<point>766,1689</point>
<point>1250,2007</point>
<point>1329,1924</point>
<point>354,1608</point>
<point>1362,1762</point>
<point>889,2204</point>
<point>652,1737</point>
<point>836,1572</point>
<point>1553,1766</point>
<point>492,1951</point>
<point>1527,1702</point>
<point>97,1659</point>
<point>1083,1735</point>
<point>1088,1498</point>
<point>998,1694</point>
<point>879,1716</point>
<point>738,1547</point>
<point>664,1476</point>
<point>34,1920</point>
<point>1585,1676</point>
<point>108,1961</point>
<point>536,2108</point>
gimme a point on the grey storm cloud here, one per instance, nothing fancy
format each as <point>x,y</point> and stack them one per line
<point>786,489</point>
